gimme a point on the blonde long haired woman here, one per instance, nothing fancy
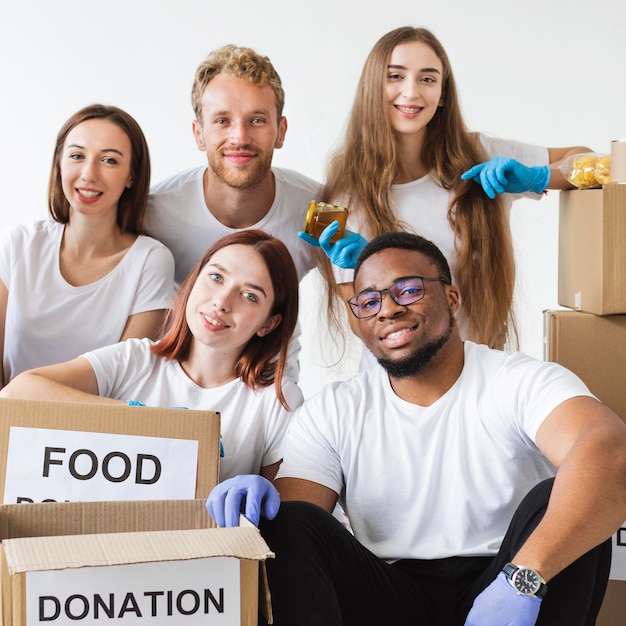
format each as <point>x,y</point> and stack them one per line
<point>400,167</point>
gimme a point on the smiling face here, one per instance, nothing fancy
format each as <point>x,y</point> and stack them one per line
<point>95,166</point>
<point>240,129</point>
<point>405,338</point>
<point>414,85</point>
<point>232,299</point>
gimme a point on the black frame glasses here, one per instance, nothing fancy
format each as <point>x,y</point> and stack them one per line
<point>403,291</point>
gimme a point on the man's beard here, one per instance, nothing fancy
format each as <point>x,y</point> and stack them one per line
<point>236,180</point>
<point>421,357</point>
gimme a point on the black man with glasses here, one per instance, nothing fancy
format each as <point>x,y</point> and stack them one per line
<point>482,486</point>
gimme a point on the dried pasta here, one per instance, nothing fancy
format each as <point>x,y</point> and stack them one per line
<point>587,170</point>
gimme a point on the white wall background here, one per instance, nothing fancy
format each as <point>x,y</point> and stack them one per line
<point>549,72</point>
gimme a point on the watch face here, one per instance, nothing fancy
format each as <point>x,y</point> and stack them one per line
<point>526,581</point>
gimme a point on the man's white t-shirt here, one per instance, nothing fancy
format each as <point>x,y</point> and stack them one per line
<point>431,482</point>
<point>178,216</point>
<point>253,423</point>
<point>49,321</point>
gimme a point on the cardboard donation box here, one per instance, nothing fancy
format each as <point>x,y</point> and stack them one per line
<point>592,249</point>
<point>54,569</point>
<point>65,451</point>
<point>594,348</point>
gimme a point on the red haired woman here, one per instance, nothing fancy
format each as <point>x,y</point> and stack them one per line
<point>224,349</point>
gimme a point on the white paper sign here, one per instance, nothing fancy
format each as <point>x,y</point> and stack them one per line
<point>618,562</point>
<point>66,465</point>
<point>191,593</point>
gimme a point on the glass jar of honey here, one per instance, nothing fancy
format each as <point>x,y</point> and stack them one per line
<point>320,215</point>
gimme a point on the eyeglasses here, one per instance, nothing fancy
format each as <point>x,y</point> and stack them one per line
<point>403,291</point>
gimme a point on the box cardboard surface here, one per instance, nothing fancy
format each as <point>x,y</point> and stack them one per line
<point>169,424</point>
<point>79,518</point>
<point>592,249</point>
<point>58,537</point>
<point>594,348</point>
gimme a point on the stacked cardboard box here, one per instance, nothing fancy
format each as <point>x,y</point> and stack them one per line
<point>127,560</point>
<point>590,338</point>
<point>592,249</point>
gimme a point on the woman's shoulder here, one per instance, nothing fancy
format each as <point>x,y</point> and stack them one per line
<point>145,242</point>
<point>36,228</point>
<point>32,236</point>
<point>497,146</point>
<point>134,350</point>
<point>147,246</point>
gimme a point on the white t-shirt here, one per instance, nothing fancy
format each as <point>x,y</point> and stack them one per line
<point>422,204</point>
<point>253,423</point>
<point>438,481</point>
<point>50,321</point>
<point>178,216</point>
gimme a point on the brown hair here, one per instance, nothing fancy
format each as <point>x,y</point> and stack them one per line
<point>263,359</point>
<point>242,63</point>
<point>363,171</point>
<point>132,203</point>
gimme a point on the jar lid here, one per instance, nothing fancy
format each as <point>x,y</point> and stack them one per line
<point>309,216</point>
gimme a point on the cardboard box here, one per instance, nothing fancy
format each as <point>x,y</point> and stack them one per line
<point>53,451</point>
<point>53,568</point>
<point>613,610</point>
<point>594,348</point>
<point>592,250</point>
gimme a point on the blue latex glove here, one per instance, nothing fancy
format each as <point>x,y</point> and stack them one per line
<point>137,403</point>
<point>344,252</point>
<point>500,605</point>
<point>500,175</point>
<point>226,499</point>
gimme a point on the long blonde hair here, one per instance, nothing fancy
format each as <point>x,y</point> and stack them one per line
<point>364,169</point>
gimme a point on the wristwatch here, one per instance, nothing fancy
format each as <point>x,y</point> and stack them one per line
<point>525,580</point>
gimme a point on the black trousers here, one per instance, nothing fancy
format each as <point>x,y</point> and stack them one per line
<point>322,576</point>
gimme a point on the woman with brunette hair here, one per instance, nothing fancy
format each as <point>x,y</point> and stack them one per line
<point>402,166</point>
<point>224,349</point>
<point>87,277</point>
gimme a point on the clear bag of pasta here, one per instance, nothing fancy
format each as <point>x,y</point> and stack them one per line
<point>587,170</point>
